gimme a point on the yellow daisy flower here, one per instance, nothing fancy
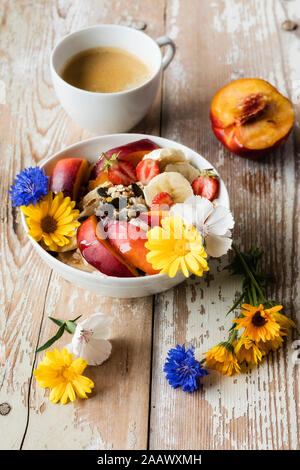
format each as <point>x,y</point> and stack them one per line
<point>284,322</point>
<point>174,247</point>
<point>223,359</point>
<point>259,323</point>
<point>271,345</point>
<point>247,350</point>
<point>62,375</point>
<point>52,220</point>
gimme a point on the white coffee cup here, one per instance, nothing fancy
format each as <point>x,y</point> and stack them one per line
<point>106,113</point>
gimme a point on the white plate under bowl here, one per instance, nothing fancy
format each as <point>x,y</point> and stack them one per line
<point>97,282</point>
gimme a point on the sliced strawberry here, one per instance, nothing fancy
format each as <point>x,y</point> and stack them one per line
<point>146,170</point>
<point>132,152</point>
<point>118,171</point>
<point>206,185</point>
<point>122,173</point>
<point>161,201</point>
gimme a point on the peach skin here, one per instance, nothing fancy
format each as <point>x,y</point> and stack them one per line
<point>97,251</point>
<point>68,175</point>
<point>129,240</point>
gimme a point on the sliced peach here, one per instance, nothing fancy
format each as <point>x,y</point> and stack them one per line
<point>135,157</point>
<point>250,117</point>
<point>97,251</point>
<point>130,240</point>
<point>100,179</point>
<point>68,175</point>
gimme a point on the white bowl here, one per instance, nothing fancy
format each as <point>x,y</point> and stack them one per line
<point>97,282</point>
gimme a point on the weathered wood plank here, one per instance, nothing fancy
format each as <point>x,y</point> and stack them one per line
<point>33,126</point>
<point>218,42</point>
<point>116,416</point>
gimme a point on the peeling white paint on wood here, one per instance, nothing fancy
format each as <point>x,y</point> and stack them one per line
<point>257,410</point>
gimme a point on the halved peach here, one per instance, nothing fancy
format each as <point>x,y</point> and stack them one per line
<point>97,251</point>
<point>68,175</point>
<point>250,117</point>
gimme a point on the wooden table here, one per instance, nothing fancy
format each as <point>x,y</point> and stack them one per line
<point>133,407</point>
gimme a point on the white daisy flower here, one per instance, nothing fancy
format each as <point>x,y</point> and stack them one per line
<point>213,222</point>
<point>90,339</point>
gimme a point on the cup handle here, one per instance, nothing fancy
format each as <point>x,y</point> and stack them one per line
<point>167,58</point>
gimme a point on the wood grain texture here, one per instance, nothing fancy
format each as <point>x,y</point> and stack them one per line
<point>217,42</point>
<point>116,415</point>
<point>34,126</point>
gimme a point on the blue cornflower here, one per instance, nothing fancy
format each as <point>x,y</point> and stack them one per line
<point>29,187</point>
<point>182,369</point>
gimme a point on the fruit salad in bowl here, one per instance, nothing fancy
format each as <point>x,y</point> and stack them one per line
<point>125,215</point>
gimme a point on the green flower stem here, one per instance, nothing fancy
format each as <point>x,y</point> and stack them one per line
<point>233,336</point>
<point>254,295</point>
<point>236,304</point>
<point>69,326</point>
<point>250,296</point>
<point>250,274</point>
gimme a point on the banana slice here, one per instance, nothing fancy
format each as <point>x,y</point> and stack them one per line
<point>91,201</point>
<point>166,156</point>
<point>185,169</point>
<point>169,182</point>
